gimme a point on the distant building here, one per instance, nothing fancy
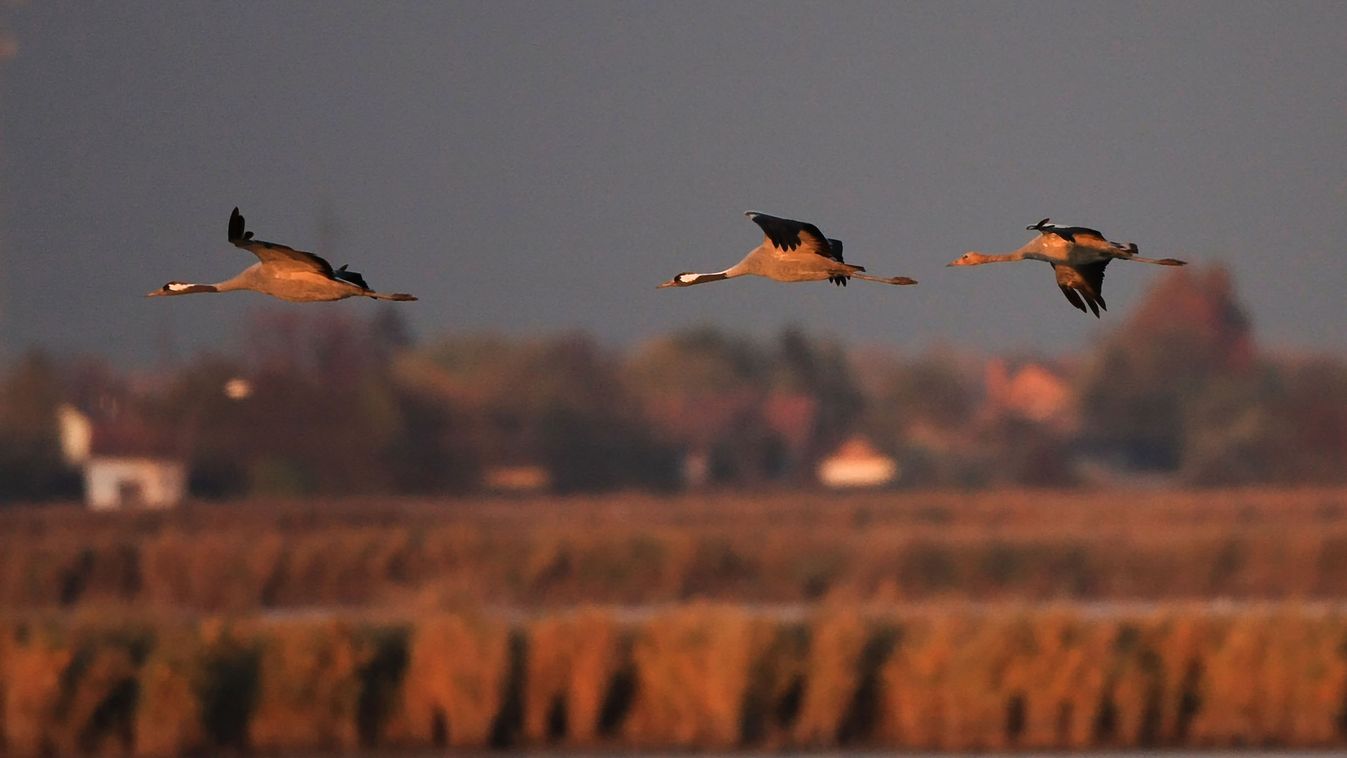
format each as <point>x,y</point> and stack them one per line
<point>519,480</point>
<point>857,464</point>
<point>126,483</point>
<point>125,465</point>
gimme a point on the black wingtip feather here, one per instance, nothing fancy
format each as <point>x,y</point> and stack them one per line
<point>1073,298</point>
<point>236,226</point>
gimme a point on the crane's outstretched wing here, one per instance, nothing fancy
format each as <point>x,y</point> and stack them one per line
<point>1068,233</point>
<point>1082,285</point>
<point>271,252</point>
<point>792,236</point>
<point>1084,237</point>
<point>789,235</point>
<point>836,247</point>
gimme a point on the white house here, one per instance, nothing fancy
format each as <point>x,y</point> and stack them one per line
<point>857,464</point>
<point>123,466</point>
<point>114,483</point>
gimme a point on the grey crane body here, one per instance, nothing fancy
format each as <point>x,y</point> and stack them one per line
<point>1078,256</point>
<point>283,272</point>
<point>791,251</point>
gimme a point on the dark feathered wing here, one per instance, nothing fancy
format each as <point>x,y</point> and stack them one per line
<point>1067,233</point>
<point>271,252</point>
<point>1082,285</point>
<point>1085,237</point>
<point>789,235</point>
<point>835,246</point>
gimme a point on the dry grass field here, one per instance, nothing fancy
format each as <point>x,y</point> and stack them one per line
<point>638,549</point>
<point>945,621</point>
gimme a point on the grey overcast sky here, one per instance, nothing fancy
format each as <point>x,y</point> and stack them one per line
<point>541,166</point>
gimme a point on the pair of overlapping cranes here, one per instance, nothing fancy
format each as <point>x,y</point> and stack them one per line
<point>791,251</point>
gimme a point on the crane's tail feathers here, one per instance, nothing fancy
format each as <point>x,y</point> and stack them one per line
<point>899,280</point>
<point>390,296</point>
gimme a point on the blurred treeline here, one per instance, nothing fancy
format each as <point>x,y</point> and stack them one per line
<point>700,677</point>
<point>339,405</point>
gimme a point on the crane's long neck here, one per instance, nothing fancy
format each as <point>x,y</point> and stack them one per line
<point>980,258</point>
<point>185,288</point>
<point>715,276</point>
<point>241,281</point>
<point>689,278</point>
<point>191,288</point>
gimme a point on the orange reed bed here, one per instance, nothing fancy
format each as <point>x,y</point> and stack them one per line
<point>698,676</point>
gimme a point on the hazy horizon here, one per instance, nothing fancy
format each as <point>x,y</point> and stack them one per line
<point>532,168</point>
